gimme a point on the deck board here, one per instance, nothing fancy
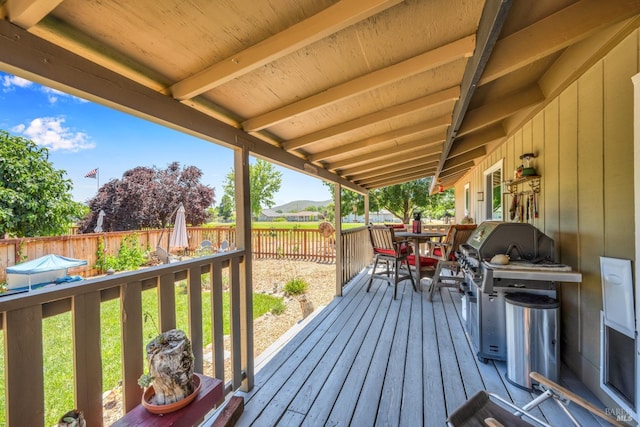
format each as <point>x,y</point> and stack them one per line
<point>367,359</point>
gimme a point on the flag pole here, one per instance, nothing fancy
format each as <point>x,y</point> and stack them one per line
<point>98,180</point>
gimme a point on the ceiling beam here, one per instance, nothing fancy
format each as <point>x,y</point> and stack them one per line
<point>583,55</point>
<point>431,144</point>
<point>403,177</point>
<point>33,58</point>
<point>426,102</point>
<point>390,182</point>
<point>393,171</point>
<point>387,163</point>
<point>329,21</point>
<point>494,14</point>
<point>27,13</point>
<point>500,109</point>
<point>429,60</point>
<point>455,170</point>
<point>463,158</point>
<point>448,181</point>
<point>439,123</point>
<point>554,33</point>
<point>477,139</point>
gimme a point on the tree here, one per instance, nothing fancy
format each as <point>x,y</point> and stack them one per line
<point>264,182</point>
<point>349,199</point>
<point>35,198</point>
<point>403,199</point>
<point>438,204</point>
<point>226,208</point>
<point>148,197</point>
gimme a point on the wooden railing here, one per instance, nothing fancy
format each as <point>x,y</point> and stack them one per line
<point>21,318</point>
<point>356,252</point>
<point>308,245</point>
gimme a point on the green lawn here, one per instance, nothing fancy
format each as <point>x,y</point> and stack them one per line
<point>58,345</point>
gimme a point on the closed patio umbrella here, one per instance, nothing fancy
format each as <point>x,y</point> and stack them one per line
<point>179,237</point>
<point>98,228</point>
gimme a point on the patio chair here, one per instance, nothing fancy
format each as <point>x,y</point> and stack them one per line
<point>485,408</point>
<point>206,248</point>
<point>448,270</point>
<point>386,248</point>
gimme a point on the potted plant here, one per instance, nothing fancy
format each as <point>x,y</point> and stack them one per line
<point>170,383</point>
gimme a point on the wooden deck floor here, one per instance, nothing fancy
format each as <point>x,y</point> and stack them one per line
<point>369,360</point>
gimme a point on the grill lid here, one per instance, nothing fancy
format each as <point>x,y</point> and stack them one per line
<point>520,241</point>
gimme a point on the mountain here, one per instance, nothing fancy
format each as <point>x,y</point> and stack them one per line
<point>299,205</point>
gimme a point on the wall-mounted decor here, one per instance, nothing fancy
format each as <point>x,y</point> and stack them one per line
<point>481,196</point>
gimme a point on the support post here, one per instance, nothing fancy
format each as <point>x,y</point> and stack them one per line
<point>243,240</point>
<point>339,255</point>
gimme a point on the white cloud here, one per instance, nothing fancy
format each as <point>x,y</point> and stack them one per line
<point>53,95</point>
<point>49,132</point>
<point>11,82</point>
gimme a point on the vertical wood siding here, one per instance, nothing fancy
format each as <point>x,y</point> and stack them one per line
<point>584,142</point>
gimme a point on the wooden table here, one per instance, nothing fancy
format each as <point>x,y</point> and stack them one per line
<point>416,239</point>
<point>210,395</point>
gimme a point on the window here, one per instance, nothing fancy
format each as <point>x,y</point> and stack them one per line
<point>493,192</point>
<point>467,200</point>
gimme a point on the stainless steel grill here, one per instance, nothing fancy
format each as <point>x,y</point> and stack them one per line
<point>531,270</point>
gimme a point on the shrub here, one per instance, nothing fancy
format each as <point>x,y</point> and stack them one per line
<point>129,257</point>
<point>296,286</point>
<point>279,307</point>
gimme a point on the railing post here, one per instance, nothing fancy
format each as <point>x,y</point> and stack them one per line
<point>24,387</point>
<point>243,239</point>
<point>132,354</point>
<point>166,303</point>
<point>87,353</point>
<point>194,286</point>
<point>339,255</point>
<point>216,321</point>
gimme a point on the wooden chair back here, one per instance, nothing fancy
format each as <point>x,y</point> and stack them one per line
<point>382,238</point>
<point>461,235</point>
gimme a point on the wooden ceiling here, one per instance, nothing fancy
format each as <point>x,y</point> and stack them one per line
<point>367,93</point>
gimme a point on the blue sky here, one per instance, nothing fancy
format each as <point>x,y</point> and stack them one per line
<point>81,136</point>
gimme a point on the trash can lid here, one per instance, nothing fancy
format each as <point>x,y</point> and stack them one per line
<point>531,300</point>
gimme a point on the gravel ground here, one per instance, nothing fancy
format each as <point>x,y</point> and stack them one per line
<point>269,277</point>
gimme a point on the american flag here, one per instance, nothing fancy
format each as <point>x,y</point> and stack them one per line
<point>93,173</point>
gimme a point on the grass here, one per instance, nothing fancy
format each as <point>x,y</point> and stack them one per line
<point>58,344</point>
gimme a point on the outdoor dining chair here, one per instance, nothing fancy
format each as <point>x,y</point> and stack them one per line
<point>391,251</point>
<point>448,270</point>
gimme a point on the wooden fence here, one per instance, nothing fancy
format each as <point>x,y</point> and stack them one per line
<point>307,245</point>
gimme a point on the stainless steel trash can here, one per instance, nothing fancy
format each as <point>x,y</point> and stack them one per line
<point>533,341</point>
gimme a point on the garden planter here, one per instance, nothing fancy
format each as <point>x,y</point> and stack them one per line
<point>148,399</point>
<point>170,382</point>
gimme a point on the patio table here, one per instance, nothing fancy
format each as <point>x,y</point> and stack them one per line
<point>416,239</point>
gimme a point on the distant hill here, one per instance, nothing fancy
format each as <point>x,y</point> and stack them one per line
<point>299,205</point>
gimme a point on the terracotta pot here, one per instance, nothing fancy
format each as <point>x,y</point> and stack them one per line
<point>172,407</point>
